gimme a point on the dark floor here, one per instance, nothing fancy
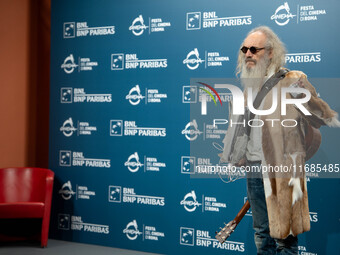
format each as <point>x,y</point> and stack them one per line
<point>57,247</point>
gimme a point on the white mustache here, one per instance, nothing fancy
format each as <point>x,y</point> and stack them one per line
<point>250,60</point>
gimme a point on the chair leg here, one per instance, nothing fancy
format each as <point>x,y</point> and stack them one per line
<point>44,232</point>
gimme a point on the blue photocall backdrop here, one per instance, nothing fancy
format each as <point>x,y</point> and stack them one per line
<point>123,79</point>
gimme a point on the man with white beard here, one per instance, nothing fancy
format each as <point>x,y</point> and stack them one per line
<point>279,203</point>
<point>254,63</point>
<point>255,68</point>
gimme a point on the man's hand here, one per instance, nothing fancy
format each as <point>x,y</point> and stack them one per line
<point>242,162</point>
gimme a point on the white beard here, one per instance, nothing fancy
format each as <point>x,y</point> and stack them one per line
<point>253,77</point>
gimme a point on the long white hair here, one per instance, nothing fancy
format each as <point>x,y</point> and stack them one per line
<point>273,43</point>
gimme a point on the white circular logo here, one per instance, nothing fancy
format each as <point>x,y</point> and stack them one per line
<point>134,95</point>
<point>284,17</point>
<point>69,64</point>
<point>138,26</point>
<point>190,203</point>
<point>131,230</point>
<point>133,163</point>
<point>66,191</point>
<point>68,128</point>
<point>191,131</point>
<point>193,60</point>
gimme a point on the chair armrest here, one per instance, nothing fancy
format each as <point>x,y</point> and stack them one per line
<point>47,212</point>
<point>49,189</point>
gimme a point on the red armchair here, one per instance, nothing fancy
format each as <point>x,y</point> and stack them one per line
<point>27,193</point>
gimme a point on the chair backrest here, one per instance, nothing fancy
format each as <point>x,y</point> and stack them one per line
<point>23,184</point>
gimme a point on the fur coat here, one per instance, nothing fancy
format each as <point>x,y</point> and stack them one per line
<point>286,193</point>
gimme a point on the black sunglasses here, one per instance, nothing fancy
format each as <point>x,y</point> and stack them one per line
<point>252,49</point>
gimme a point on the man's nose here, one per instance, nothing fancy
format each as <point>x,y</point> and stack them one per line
<point>248,53</point>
